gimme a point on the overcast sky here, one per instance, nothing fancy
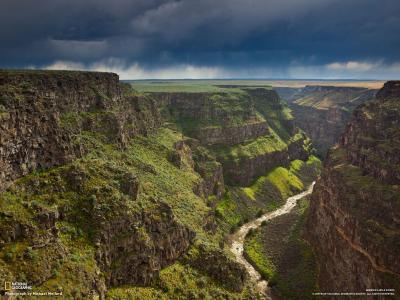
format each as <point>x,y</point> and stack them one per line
<point>357,39</point>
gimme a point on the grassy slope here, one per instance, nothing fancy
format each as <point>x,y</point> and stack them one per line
<point>146,157</point>
<point>280,254</point>
<point>178,281</point>
<point>330,97</point>
<point>262,145</point>
<point>276,116</point>
<point>268,192</point>
<point>234,106</point>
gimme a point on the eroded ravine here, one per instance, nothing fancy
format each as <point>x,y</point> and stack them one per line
<point>237,239</point>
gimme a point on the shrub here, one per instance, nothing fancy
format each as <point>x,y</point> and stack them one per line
<point>30,253</point>
<point>260,212</point>
<point>8,257</point>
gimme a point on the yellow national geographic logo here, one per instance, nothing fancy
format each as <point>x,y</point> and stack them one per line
<point>7,285</point>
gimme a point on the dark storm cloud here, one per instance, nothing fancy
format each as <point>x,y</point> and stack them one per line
<point>229,34</point>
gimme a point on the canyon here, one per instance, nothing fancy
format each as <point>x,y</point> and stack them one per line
<point>125,190</point>
<point>107,192</point>
<point>323,111</point>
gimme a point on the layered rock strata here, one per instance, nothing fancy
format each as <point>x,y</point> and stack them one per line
<point>354,218</point>
<point>323,111</point>
<point>41,111</point>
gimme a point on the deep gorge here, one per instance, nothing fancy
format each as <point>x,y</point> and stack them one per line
<point>110,192</point>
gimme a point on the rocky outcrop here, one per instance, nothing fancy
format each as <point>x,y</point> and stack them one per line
<point>210,170</point>
<point>188,154</point>
<point>213,178</point>
<point>231,135</point>
<point>323,126</point>
<point>213,118</point>
<point>390,91</point>
<point>132,249</point>
<point>225,120</point>
<point>323,111</point>
<point>124,244</point>
<point>181,156</point>
<point>201,106</point>
<point>372,137</point>
<point>244,170</point>
<point>214,262</point>
<point>354,218</point>
<point>269,104</point>
<point>42,112</point>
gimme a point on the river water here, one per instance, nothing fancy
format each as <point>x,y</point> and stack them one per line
<point>237,239</point>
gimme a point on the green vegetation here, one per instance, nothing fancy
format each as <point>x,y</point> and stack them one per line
<point>214,111</point>
<point>100,173</point>
<point>267,193</point>
<point>254,252</point>
<point>234,212</point>
<point>196,86</point>
<point>177,281</point>
<point>63,209</point>
<point>289,265</point>
<point>346,98</point>
<point>260,146</point>
<point>285,181</point>
<point>282,183</point>
<point>355,184</point>
<point>308,170</point>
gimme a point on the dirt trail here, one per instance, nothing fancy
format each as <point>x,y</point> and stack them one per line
<point>237,239</point>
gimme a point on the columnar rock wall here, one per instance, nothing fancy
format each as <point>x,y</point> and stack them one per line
<point>213,118</point>
<point>36,110</point>
<point>130,255</point>
<point>372,137</point>
<point>354,217</point>
<point>244,170</point>
<point>233,134</point>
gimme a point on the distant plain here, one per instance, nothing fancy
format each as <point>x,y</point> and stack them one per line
<point>232,85</point>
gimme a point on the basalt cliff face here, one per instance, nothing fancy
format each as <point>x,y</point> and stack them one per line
<point>323,111</point>
<point>60,211</point>
<point>354,219</point>
<point>214,118</point>
<point>245,170</point>
<point>37,111</point>
<point>249,132</point>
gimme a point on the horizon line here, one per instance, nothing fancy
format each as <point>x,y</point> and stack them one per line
<point>261,79</point>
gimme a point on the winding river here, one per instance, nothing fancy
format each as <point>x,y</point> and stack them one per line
<point>237,239</point>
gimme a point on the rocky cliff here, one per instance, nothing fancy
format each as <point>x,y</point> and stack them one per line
<point>323,111</point>
<point>244,169</point>
<point>41,112</point>
<point>213,118</point>
<point>354,217</point>
<point>106,192</point>
<point>92,188</point>
<point>249,132</point>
